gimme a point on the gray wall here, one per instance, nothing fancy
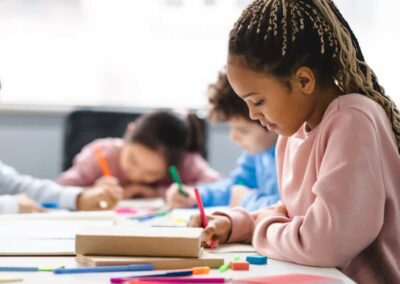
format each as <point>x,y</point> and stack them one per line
<point>32,143</point>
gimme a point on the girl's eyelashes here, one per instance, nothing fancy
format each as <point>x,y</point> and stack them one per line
<point>259,103</point>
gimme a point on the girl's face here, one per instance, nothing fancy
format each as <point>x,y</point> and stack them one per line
<point>141,164</point>
<point>269,100</point>
<point>250,136</point>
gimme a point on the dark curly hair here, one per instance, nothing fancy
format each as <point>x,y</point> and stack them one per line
<point>169,132</point>
<point>223,102</point>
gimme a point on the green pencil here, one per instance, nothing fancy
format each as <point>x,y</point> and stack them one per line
<point>175,177</point>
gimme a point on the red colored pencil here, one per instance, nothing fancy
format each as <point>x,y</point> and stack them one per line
<point>203,216</point>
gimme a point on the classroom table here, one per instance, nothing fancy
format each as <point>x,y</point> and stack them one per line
<point>274,267</point>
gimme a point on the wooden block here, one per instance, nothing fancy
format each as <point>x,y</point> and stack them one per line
<point>238,265</point>
<point>205,259</point>
<point>257,259</point>
<point>139,241</point>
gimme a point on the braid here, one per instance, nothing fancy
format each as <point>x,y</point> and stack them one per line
<point>360,74</point>
<point>309,33</point>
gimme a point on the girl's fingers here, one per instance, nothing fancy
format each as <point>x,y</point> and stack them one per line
<point>114,193</point>
<point>195,221</point>
<point>209,233</point>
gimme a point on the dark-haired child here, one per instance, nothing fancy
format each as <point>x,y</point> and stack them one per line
<point>139,162</point>
<point>253,184</point>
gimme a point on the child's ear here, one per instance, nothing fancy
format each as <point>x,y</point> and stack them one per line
<point>306,79</point>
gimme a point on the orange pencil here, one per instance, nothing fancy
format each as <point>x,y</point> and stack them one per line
<point>105,170</point>
<point>103,162</point>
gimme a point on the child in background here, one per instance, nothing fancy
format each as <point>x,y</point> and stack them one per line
<point>300,69</point>
<point>139,163</point>
<point>20,194</point>
<point>253,184</point>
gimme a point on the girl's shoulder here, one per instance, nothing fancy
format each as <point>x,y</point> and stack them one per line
<point>360,103</point>
<point>191,158</point>
<point>109,146</point>
<point>355,109</point>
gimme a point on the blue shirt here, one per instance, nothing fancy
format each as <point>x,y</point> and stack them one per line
<point>257,172</point>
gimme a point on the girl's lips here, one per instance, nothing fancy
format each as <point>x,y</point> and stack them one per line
<point>269,126</point>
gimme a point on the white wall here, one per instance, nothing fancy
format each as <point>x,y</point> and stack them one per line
<point>32,143</point>
<point>147,52</point>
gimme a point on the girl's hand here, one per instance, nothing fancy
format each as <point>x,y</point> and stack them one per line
<point>27,205</point>
<point>101,194</point>
<point>106,181</point>
<point>176,200</point>
<point>141,191</point>
<point>219,228</point>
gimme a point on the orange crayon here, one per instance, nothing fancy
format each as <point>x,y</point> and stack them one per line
<point>103,162</point>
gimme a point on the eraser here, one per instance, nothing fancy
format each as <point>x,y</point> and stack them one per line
<point>224,267</point>
<point>201,270</point>
<point>236,265</point>
<point>257,259</point>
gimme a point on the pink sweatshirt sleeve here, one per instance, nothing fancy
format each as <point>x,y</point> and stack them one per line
<point>85,169</point>
<point>195,169</point>
<point>348,210</point>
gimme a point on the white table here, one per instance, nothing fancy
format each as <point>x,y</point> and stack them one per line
<point>273,267</point>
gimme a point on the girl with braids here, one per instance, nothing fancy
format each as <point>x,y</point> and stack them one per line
<point>300,70</point>
<point>139,162</point>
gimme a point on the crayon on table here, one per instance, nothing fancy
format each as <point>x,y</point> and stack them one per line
<point>178,273</point>
<point>98,269</point>
<point>27,268</point>
<point>49,205</point>
<point>177,280</point>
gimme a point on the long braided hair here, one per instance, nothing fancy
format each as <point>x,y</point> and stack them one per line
<point>279,36</point>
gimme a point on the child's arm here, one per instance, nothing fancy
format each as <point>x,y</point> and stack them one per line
<point>194,169</point>
<point>258,200</point>
<point>348,211</point>
<point>12,183</point>
<point>219,193</point>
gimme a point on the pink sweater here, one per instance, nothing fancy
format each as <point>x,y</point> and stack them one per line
<point>340,183</point>
<point>86,170</point>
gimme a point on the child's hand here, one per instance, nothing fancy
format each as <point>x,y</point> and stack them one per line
<point>218,229</point>
<point>238,193</point>
<point>27,205</point>
<point>107,181</point>
<point>140,190</point>
<point>176,200</point>
<point>104,193</point>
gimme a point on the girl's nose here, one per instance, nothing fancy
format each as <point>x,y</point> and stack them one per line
<point>253,113</point>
